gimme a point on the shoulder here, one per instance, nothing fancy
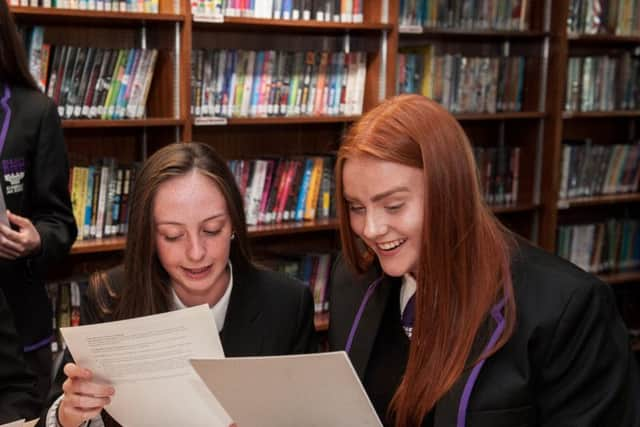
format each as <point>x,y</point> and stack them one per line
<point>31,100</point>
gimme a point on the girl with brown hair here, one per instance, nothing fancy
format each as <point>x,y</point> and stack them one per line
<point>187,245</point>
<point>448,318</point>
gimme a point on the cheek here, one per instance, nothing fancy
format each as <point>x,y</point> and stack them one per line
<point>167,253</point>
<point>357,223</point>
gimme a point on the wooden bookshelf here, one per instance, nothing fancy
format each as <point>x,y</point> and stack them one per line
<point>525,115</point>
<point>222,121</point>
<point>321,321</point>
<point>599,200</point>
<point>43,15</point>
<point>568,115</point>
<point>603,39</point>
<point>459,34</point>
<point>520,207</point>
<point>620,278</point>
<point>128,123</point>
<point>109,244</point>
<point>281,25</point>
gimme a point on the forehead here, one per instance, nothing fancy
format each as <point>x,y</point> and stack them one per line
<point>191,195</point>
<point>365,174</point>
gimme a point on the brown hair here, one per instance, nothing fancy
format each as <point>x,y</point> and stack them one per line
<point>147,283</point>
<point>14,68</point>
<point>465,253</point>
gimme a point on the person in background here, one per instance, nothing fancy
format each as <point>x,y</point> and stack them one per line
<point>187,245</point>
<point>448,318</point>
<point>18,395</point>
<point>34,175</point>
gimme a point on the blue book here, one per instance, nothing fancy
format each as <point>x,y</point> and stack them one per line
<point>304,189</point>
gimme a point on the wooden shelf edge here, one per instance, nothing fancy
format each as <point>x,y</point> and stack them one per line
<point>53,12</point>
<point>416,30</point>
<point>568,115</point>
<point>620,278</point>
<point>311,25</point>
<point>598,200</point>
<point>221,121</point>
<point>111,244</point>
<point>500,116</point>
<point>90,123</point>
<point>522,207</point>
<point>603,38</point>
<point>321,321</point>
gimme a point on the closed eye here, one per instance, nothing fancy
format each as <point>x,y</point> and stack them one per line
<point>356,209</point>
<point>212,232</point>
<point>172,238</point>
<point>394,208</point>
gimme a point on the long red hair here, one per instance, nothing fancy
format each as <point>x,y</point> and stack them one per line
<point>465,255</point>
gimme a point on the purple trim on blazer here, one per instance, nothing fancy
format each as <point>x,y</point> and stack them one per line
<point>363,304</point>
<point>38,345</point>
<point>7,115</point>
<point>496,313</point>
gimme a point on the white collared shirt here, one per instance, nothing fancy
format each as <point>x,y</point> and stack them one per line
<point>219,309</point>
<point>408,288</point>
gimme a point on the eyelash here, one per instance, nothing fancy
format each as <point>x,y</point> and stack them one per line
<point>207,232</point>
<point>390,209</point>
<point>394,208</point>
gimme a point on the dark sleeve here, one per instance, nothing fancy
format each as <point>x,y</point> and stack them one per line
<point>305,340</point>
<point>51,203</point>
<point>18,398</point>
<point>590,376</point>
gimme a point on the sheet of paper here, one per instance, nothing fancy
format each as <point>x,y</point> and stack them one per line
<point>3,211</point>
<point>281,391</point>
<point>18,423</point>
<point>147,361</point>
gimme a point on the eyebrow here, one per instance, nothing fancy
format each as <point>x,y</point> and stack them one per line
<point>216,216</point>
<point>380,196</point>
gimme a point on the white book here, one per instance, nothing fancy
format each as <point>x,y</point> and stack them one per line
<point>255,191</point>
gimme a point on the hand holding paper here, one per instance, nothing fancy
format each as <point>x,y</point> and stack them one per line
<point>83,398</point>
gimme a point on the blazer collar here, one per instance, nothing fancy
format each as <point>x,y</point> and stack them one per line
<point>239,336</point>
<point>372,313</point>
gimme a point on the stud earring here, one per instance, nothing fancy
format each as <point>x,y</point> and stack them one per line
<point>233,235</point>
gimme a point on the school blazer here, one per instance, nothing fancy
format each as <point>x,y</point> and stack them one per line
<point>18,398</point>
<point>269,314</point>
<point>567,364</point>
<point>34,180</point>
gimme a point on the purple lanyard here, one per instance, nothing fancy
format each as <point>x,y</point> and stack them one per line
<point>4,102</point>
<point>354,327</point>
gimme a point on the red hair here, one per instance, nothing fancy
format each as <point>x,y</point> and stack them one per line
<point>464,267</point>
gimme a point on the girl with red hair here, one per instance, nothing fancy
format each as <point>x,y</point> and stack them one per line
<point>448,318</point>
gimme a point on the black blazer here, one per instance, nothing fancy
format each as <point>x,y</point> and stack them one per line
<point>568,362</point>
<point>34,180</point>
<point>18,398</point>
<point>269,314</point>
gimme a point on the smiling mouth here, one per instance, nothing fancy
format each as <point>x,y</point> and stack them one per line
<point>196,271</point>
<point>389,246</point>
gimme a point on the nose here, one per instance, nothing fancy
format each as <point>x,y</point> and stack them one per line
<point>374,226</point>
<point>196,248</point>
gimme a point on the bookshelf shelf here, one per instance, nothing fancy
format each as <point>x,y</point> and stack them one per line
<point>620,278</point>
<point>599,200</point>
<point>602,39</point>
<point>292,228</point>
<point>527,115</point>
<point>221,121</point>
<point>111,244</point>
<point>73,16</point>
<point>81,123</point>
<point>321,321</point>
<point>524,207</point>
<point>568,115</point>
<point>281,25</point>
<point>459,34</point>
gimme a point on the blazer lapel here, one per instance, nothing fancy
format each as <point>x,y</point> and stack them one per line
<point>239,337</point>
<point>367,328</point>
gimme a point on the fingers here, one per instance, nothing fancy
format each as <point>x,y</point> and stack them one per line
<point>83,399</point>
<point>8,254</point>
<point>18,220</point>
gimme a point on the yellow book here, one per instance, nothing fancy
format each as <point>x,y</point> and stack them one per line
<point>311,202</point>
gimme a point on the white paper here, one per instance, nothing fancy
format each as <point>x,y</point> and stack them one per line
<point>281,391</point>
<point>18,423</point>
<point>146,361</point>
<point>3,213</point>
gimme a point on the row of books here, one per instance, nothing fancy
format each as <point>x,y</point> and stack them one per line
<point>65,298</point>
<point>463,84</point>
<point>603,83</point>
<point>619,17</point>
<point>499,172</point>
<point>92,82</point>
<point>280,190</point>
<point>465,14</point>
<point>608,246</point>
<point>311,269</point>
<point>100,198</point>
<point>593,169</point>
<point>247,83</point>
<point>319,10</point>
<point>146,6</point>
